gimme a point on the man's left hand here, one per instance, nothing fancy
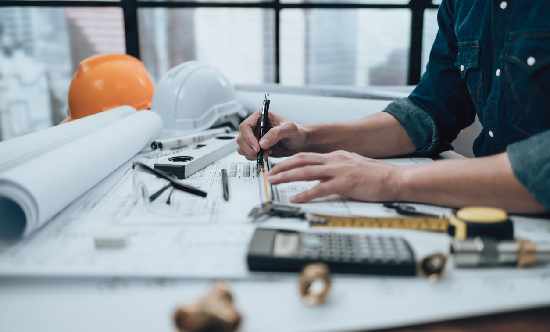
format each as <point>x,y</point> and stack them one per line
<point>340,172</point>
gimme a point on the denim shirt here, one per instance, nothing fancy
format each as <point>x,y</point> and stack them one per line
<point>490,58</point>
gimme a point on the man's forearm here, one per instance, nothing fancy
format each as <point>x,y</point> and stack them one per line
<point>376,136</point>
<point>488,181</point>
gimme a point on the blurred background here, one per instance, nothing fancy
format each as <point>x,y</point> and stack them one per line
<point>354,43</point>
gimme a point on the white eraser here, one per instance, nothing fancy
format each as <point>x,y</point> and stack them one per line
<point>110,242</point>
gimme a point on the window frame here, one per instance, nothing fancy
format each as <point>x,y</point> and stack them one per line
<point>131,29</point>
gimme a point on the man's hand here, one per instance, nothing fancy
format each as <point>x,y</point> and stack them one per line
<point>283,138</point>
<point>487,181</point>
<point>340,172</point>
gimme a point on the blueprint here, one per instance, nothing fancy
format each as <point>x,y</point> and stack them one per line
<point>118,203</point>
<point>207,238</point>
<point>204,238</point>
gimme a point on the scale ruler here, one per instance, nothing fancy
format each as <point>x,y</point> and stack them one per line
<point>434,224</point>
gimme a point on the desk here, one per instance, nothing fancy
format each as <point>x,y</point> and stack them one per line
<point>269,302</point>
<point>533,320</point>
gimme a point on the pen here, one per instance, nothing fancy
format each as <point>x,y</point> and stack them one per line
<point>225,185</point>
<point>189,139</point>
<point>263,126</point>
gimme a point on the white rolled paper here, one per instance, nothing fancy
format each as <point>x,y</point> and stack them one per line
<point>33,192</point>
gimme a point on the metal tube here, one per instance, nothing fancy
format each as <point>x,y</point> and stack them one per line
<point>487,252</point>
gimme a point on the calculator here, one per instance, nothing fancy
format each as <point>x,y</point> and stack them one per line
<point>280,250</point>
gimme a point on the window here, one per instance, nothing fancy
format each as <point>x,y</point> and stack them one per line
<point>429,32</point>
<point>40,49</point>
<point>237,41</point>
<point>356,47</point>
<point>295,42</point>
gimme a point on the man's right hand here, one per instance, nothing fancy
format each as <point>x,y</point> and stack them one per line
<point>284,138</point>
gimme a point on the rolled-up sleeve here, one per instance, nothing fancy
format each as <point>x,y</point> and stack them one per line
<point>530,160</point>
<point>441,105</point>
<point>419,125</point>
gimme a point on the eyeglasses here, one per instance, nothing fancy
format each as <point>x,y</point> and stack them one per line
<point>159,191</point>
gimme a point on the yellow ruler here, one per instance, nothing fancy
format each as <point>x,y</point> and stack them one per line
<point>434,224</point>
<point>465,223</point>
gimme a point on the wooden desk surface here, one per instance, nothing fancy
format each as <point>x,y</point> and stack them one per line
<point>532,320</point>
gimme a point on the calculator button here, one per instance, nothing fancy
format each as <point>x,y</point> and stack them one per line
<point>311,241</point>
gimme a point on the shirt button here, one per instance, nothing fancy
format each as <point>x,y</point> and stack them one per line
<point>461,67</point>
<point>490,133</point>
<point>498,72</point>
<point>503,5</point>
<point>531,61</point>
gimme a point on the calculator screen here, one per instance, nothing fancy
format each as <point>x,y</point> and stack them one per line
<point>286,244</point>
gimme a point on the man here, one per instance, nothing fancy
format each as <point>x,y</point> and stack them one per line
<point>489,57</point>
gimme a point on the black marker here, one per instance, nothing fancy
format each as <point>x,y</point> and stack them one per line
<point>263,129</point>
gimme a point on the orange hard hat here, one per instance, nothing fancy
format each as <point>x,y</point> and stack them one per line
<point>106,81</point>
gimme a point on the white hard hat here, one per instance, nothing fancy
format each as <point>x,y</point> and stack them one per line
<point>193,97</point>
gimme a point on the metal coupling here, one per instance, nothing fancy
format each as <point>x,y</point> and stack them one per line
<point>489,252</point>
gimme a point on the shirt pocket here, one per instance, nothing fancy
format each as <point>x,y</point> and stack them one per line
<point>469,64</point>
<point>526,59</point>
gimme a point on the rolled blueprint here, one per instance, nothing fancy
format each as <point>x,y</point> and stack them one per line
<point>35,191</point>
<point>306,109</point>
<point>21,149</point>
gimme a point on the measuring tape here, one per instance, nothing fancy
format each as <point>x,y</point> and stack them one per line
<point>419,223</point>
<point>465,223</point>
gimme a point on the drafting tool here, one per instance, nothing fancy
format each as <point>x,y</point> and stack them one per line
<point>271,209</point>
<point>289,251</point>
<point>264,178</point>
<point>263,127</point>
<point>267,193</point>
<point>189,139</point>
<point>479,252</point>
<point>159,154</point>
<point>197,156</point>
<point>408,210</point>
<point>265,185</point>
<point>467,222</point>
<point>271,191</point>
<point>172,183</point>
<point>225,184</point>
